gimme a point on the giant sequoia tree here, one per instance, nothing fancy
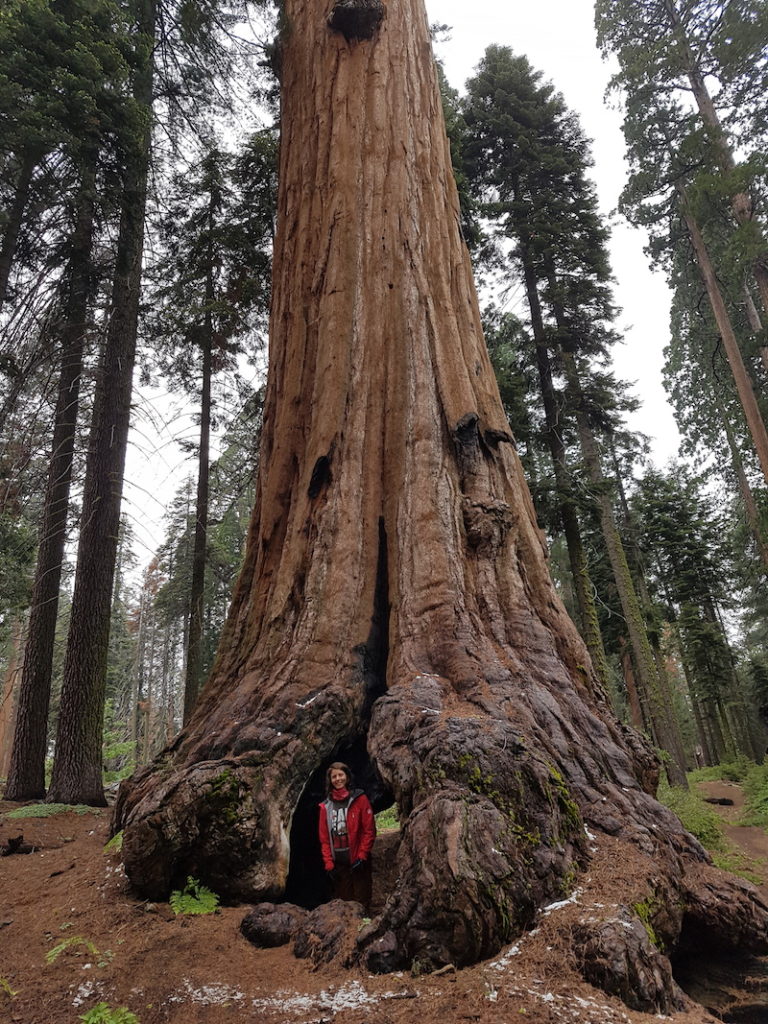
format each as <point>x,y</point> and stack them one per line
<point>395,606</point>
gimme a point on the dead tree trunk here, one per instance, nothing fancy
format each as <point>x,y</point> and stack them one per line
<point>395,605</point>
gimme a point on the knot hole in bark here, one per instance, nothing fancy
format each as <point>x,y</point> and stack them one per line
<point>471,441</point>
<point>487,524</point>
<point>356,19</point>
<point>321,476</point>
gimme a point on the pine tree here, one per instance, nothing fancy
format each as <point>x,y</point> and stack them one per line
<point>212,295</point>
<point>531,159</point>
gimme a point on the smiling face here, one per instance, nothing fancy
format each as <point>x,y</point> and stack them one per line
<point>338,778</point>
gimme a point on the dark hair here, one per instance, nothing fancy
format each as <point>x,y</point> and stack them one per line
<point>341,767</point>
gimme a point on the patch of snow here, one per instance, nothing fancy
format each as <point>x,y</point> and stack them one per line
<point>573,898</point>
<point>85,991</point>
<point>284,1001</point>
<point>348,997</point>
<point>307,702</point>
<point>206,995</point>
<point>504,960</point>
<point>546,997</point>
<point>351,996</point>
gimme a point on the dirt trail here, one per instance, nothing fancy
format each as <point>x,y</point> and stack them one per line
<point>750,839</point>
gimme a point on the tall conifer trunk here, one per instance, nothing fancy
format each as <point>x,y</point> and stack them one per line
<point>394,607</point>
<point>653,682</point>
<point>76,776</point>
<point>577,558</point>
<point>26,779</point>
<point>15,217</point>
<point>194,666</point>
<point>742,206</point>
<point>8,691</point>
<point>741,378</point>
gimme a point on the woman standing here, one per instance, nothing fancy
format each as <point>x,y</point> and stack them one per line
<point>347,831</point>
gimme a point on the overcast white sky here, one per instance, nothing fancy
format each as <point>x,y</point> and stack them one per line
<point>558,38</point>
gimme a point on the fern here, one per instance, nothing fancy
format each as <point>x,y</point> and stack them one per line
<point>46,810</point>
<point>115,844</point>
<point>194,898</point>
<point>102,1013</point>
<point>5,986</point>
<point>74,940</point>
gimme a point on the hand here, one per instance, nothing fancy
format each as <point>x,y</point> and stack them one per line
<point>358,864</point>
<point>331,873</point>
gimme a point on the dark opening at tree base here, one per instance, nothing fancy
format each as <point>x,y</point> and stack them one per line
<point>307,884</point>
<point>731,985</point>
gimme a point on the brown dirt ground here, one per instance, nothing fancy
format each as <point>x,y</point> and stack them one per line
<point>749,839</point>
<point>199,970</point>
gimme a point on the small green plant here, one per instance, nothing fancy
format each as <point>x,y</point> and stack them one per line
<point>387,821</point>
<point>704,823</point>
<point>102,1013</point>
<point>697,816</point>
<point>115,844</point>
<point>729,771</point>
<point>5,986</point>
<point>74,940</point>
<point>756,793</point>
<point>47,810</point>
<point>645,910</point>
<point>194,898</point>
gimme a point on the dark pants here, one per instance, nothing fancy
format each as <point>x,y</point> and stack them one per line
<point>354,885</point>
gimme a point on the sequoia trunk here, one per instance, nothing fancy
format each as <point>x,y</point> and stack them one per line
<point>394,607</point>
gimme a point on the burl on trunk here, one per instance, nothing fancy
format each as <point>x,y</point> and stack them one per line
<point>395,607</point>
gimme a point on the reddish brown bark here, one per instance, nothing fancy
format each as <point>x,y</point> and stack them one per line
<point>752,414</point>
<point>8,695</point>
<point>395,602</point>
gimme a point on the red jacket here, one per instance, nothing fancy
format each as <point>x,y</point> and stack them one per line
<point>361,829</point>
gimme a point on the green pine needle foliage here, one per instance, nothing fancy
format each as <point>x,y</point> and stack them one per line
<point>102,1013</point>
<point>194,898</point>
<point>47,810</point>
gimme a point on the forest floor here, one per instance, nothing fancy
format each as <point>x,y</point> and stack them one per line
<point>116,948</point>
